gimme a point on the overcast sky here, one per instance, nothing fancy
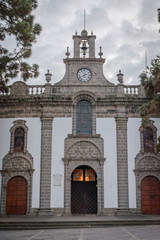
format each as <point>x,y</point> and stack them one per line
<point>124,28</point>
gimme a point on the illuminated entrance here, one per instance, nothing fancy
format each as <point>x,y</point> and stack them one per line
<point>84,191</point>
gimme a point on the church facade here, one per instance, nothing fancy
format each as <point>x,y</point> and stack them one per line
<point>77,146</point>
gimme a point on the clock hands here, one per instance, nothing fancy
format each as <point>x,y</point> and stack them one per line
<point>84,74</point>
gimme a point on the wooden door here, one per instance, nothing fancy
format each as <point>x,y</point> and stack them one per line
<point>84,191</point>
<point>16,202</point>
<point>150,195</point>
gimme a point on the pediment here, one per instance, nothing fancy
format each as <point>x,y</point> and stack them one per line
<point>148,161</point>
<point>17,163</point>
<point>83,150</point>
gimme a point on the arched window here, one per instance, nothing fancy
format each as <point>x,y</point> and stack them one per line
<point>84,117</point>
<point>148,140</point>
<point>19,140</point>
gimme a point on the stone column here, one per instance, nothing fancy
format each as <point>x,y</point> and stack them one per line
<point>46,159</point>
<point>92,46</point>
<point>122,164</point>
<point>76,46</point>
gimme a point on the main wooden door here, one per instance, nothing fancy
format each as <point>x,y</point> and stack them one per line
<point>84,191</point>
<point>16,202</point>
<point>150,195</point>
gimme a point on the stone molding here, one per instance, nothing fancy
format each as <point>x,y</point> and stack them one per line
<point>83,151</point>
<point>84,95</point>
<point>17,164</point>
<point>150,124</point>
<point>146,164</point>
<point>67,183</point>
<point>18,124</point>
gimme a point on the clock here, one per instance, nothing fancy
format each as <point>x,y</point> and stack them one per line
<point>84,74</point>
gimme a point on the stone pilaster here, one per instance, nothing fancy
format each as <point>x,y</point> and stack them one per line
<point>46,157</point>
<point>92,46</point>
<point>77,40</point>
<point>122,163</point>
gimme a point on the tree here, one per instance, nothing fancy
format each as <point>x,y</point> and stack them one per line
<point>16,21</point>
<point>150,80</point>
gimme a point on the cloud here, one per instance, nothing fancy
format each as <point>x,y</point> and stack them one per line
<point>125,30</point>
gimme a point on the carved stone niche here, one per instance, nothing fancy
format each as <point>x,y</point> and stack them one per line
<point>83,150</point>
<point>147,162</point>
<point>19,89</point>
<point>17,162</point>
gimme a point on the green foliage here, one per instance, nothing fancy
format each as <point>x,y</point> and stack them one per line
<point>16,20</point>
<point>150,80</point>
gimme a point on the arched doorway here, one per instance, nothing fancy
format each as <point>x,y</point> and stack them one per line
<point>150,195</point>
<point>84,191</point>
<point>16,202</point>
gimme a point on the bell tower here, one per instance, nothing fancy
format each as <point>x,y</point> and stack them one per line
<point>84,45</point>
<point>83,70</point>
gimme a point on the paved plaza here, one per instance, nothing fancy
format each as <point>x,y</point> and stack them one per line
<point>108,233</point>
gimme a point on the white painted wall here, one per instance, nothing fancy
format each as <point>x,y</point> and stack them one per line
<point>34,148</point>
<point>5,125</point>
<point>133,149</point>
<point>61,128</point>
<point>107,128</point>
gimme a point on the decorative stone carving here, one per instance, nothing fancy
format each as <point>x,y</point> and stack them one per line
<point>83,150</point>
<point>147,162</point>
<point>17,163</point>
<point>148,137</point>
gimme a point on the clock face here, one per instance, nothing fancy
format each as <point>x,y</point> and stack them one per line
<point>84,74</point>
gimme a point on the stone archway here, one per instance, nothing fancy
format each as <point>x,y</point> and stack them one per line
<point>69,168</point>
<point>146,164</point>
<point>84,191</point>
<point>15,167</point>
<point>84,151</point>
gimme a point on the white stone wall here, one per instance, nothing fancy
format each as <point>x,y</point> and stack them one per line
<point>33,147</point>
<point>5,125</point>
<point>133,149</point>
<point>61,128</point>
<point>107,128</point>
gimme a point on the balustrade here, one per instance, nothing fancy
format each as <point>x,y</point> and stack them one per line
<point>131,90</point>
<point>36,89</point>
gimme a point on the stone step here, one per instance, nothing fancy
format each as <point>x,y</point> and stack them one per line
<point>30,225</point>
